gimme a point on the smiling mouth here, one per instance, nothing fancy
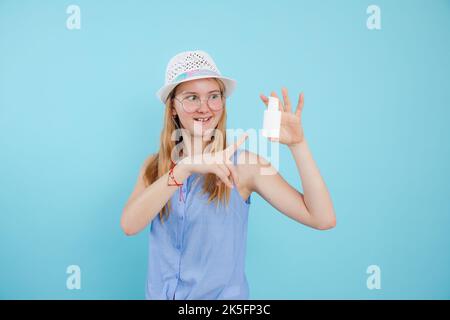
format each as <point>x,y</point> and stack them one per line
<point>203,120</point>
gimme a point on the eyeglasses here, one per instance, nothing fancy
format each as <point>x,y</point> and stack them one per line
<point>192,103</point>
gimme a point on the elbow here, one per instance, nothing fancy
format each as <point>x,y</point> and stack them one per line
<point>128,233</point>
<point>126,228</point>
<point>326,225</point>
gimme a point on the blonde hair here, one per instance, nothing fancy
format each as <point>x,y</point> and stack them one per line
<point>160,164</point>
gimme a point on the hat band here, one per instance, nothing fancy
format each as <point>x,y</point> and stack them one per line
<point>194,73</point>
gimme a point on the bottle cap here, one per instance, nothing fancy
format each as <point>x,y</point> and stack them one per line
<point>273,104</point>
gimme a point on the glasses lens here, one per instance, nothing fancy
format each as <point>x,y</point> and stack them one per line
<point>215,101</point>
<point>193,103</point>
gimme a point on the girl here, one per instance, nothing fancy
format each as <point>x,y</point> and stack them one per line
<point>200,188</point>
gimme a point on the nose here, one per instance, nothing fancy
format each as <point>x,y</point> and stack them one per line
<point>203,106</point>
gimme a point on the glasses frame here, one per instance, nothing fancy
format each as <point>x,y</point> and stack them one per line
<point>222,97</point>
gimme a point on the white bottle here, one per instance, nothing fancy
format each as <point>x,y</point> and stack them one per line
<point>272,119</point>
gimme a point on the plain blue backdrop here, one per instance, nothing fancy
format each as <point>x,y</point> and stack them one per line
<point>78,115</point>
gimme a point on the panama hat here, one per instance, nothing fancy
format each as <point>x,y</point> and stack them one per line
<point>191,65</point>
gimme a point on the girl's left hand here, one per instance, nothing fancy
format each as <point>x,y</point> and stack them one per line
<point>291,130</point>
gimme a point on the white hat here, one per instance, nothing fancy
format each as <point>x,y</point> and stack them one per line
<point>190,65</point>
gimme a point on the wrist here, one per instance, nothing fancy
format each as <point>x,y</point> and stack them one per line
<point>181,171</point>
<point>297,145</point>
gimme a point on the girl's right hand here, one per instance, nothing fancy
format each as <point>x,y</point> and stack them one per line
<point>218,163</point>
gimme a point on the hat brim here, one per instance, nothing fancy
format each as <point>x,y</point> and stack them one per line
<point>163,93</point>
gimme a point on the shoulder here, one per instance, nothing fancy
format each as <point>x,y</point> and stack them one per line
<point>250,160</point>
<point>246,157</point>
<point>249,165</point>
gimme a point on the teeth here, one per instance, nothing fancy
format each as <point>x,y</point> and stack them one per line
<point>202,119</point>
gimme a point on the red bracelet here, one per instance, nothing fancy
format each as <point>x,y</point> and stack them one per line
<point>172,178</point>
<point>175,183</point>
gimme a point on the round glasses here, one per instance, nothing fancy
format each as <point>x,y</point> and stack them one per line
<point>192,103</point>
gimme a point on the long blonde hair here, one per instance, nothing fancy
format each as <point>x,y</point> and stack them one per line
<point>160,164</point>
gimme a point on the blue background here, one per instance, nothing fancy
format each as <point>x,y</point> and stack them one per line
<point>78,115</point>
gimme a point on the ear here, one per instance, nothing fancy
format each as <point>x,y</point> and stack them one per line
<point>174,112</point>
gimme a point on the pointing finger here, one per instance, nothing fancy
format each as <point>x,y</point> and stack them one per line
<point>232,149</point>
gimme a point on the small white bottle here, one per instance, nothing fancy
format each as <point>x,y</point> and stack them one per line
<point>272,119</point>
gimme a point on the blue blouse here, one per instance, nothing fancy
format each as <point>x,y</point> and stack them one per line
<point>199,251</point>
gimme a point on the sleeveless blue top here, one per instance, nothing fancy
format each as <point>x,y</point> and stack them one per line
<point>199,251</point>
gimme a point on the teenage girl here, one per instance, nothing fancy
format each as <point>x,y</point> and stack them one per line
<point>195,192</point>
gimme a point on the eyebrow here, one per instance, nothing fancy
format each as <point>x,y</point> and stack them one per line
<point>185,92</point>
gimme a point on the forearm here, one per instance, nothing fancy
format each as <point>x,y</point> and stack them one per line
<point>139,212</point>
<point>316,196</point>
